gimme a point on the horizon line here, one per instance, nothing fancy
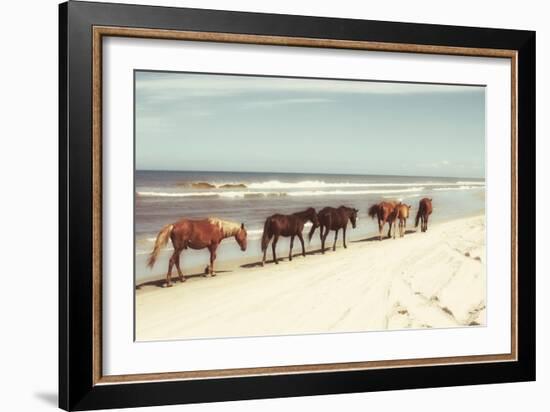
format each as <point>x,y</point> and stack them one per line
<point>304,173</point>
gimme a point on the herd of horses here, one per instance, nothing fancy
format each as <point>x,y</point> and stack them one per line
<point>208,233</point>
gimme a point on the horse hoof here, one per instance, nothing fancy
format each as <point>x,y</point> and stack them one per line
<point>168,285</point>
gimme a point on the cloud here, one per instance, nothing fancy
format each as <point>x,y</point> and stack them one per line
<point>284,102</point>
<point>160,86</point>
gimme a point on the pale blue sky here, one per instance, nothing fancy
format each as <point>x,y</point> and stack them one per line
<point>210,122</point>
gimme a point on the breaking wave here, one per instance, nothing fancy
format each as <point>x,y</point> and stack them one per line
<point>463,187</point>
<point>297,193</point>
<point>315,184</point>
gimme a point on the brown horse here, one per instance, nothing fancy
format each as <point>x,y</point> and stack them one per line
<point>401,215</point>
<point>334,219</point>
<point>385,212</point>
<point>286,225</point>
<point>424,211</point>
<point>196,234</point>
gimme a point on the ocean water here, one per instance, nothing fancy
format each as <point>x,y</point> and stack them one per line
<point>163,197</point>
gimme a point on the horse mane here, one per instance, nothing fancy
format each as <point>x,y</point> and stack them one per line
<point>227,228</point>
<point>347,208</point>
<point>305,213</point>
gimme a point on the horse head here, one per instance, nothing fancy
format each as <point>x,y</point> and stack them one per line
<point>240,237</point>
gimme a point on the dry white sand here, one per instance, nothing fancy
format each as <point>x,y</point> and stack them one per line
<point>425,280</point>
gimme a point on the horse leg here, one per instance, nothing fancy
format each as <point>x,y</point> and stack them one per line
<point>380,227</point>
<point>344,239</point>
<point>400,228</point>
<point>169,273</point>
<point>291,246</point>
<point>322,234</point>
<point>324,240</point>
<point>302,242</point>
<point>273,247</point>
<point>335,238</point>
<point>390,223</point>
<point>180,274</point>
<point>265,251</point>
<point>212,250</point>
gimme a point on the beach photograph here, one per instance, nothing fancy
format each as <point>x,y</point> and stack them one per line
<point>270,206</point>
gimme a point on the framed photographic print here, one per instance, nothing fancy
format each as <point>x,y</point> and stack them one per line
<point>256,205</point>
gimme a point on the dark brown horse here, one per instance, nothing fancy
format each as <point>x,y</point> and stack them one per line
<point>424,211</point>
<point>196,234</point>
<point>385,212</point>
<point>402,212</point>
<point>286,226</point>
<point>334,219</point>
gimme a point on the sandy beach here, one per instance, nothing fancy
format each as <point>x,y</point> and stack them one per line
<point>435,279</point>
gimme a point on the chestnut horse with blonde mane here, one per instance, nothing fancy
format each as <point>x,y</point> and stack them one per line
<point>424,211</point>
<point>195,234</point>
<point>385,212</point>
<point>402,212</point>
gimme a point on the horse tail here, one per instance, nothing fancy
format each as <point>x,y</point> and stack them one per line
<point>311,232</point>
<point>267,234</point>
<point>373,211</point>
<point>418,215</point>
<point>162,239</point>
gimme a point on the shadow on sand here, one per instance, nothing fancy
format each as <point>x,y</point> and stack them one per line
<point>284,258</point>
<point>160,283</point>
<point>376,237</point>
